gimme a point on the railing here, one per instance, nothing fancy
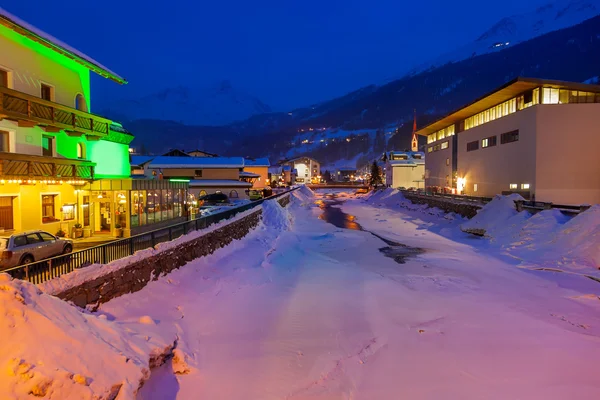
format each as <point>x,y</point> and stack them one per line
<point>25,166</point>
<point>44,270</point>
<point>456,197</point>
<point>25,107</point>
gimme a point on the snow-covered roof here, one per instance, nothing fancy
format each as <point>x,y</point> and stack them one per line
<point>257,162</point>
<point>31,32</point>
<point>275,170</point>
<point>245,174</point>
<point>138,161</point>
<point>197,162</point>
<point>204,183</point>
<point>302,158</point>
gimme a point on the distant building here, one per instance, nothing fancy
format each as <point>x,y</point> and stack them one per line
<point>405,169</point>
<point>530,136</point>
<point>259,168</point>
<point>344,174</point>
<point>307,169</point>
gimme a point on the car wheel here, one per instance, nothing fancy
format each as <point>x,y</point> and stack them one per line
<point>68,249</point>
<point>28,259</point>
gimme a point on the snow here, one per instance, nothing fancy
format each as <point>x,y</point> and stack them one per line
<point>276,217</point>
<point>197,162</point>
<point>94,271</point>
<point>519,28</point>
<point>493,215</point>
<point>313,311</point>
<point>257,162</point>
<point>51,39</point>
<point>53,350</point>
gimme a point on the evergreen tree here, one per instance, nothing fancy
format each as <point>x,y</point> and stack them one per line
<point>327,176</point>
<point>376,178</point>
<point>385,158</point>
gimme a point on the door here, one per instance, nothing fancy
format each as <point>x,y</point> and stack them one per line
<point>52,246</point>
<point>6,213</point>
<point>36,246</point>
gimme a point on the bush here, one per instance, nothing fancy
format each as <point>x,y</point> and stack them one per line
<point>61,233</point>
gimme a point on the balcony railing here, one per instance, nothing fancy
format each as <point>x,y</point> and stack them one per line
<point>25,108</point>
<point>25,166</point>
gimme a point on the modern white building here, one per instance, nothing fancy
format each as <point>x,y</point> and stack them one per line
<point>308,169</point>
<point>405,169</point>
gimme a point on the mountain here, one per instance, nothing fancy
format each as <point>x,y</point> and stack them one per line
<point>217,105</point>
<point>351,127</point>
<point>516,29</point>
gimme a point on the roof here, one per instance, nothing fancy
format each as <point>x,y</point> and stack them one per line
<point>197,162</point>
<point>31,32</point>
<point>500,95</point>
<point>218,183</point>
<point>203,152</point>
<point>257,162</point>
<point>138,161</point>
<point>302,158</point>
<point>245,174</point>
<point>277,170</point>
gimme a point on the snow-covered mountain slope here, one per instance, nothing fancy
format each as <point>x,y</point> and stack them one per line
<point>217,105</point>
<point>515,29</point>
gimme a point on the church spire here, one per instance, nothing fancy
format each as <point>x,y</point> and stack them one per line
<point>415,142</point>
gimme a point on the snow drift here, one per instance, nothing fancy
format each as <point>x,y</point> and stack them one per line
<point>275,216</point>
<point>492,216</point>
<point>53,350</point>
<point>304,194</point>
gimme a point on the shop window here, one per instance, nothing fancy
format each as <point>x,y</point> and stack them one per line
<point>4,141</point>
<point>48,208</point>
<point>68,212</point>
<point>234,194</point>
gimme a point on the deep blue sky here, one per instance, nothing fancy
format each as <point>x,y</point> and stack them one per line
<point>288,53</point>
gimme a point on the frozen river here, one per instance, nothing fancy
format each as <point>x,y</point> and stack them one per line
<point>312,309</point>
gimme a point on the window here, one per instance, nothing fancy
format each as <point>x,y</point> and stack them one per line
<point>4,141</point>
<point>33,238</point>
<point>474,187</point>
<point>513,186</point>
<point>509,137</point>
<point>447,162</point>
<point>20,241</point>
<point>46,237</point>
<point>430,149</point>
<point>3,78</point>
<point>86,210</point>
<point>525,186</point>
<point>48,208</point>
<point>471,146</point>
<point>488,142</point>
<point>80,103</point>
<point>445,145</point>
<point>68,212</point>
<point>233,194</point>
<point>47,146</point>
<point>550,96</point>
<point>431,138</point>
<point>198,173</point>
<point>47,92</point>
<point>80,151</point>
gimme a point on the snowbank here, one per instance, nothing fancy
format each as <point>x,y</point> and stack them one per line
<point>79,276</point>
<point>493,215</point>
<point>304,194</point>
<point>276,217</point>
<point>53,350</point>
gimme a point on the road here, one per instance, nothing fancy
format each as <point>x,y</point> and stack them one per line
<point>323,312</point>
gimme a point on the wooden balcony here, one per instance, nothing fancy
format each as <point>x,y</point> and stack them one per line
<point>29,110</point>
<point>24,166</point>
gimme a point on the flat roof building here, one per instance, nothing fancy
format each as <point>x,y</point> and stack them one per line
<point>531,136</point>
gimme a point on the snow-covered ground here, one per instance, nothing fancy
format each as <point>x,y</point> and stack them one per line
<point>301,309</point>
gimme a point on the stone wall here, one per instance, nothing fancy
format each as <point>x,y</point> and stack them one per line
<point>136,275</point>
<point>448,205</point>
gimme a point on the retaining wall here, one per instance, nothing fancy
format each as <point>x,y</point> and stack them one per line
<point>466,210</point>
<point>136,275</point>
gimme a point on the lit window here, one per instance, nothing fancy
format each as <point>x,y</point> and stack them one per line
<point>514,186</point>
<point>430,149</point>
<point>80,151</point>
<point>484,143</point>
<point>447,162</point>
<point>445,145</point>
<point>68,212</point>
<point>525,186</point>
<point>48,208</point>
<point>474,187</point>
<point>550,95</point>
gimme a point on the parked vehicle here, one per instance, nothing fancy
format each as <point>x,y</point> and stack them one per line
<point>27,247</point>
<point>255,194</point>
<point>213,199</point>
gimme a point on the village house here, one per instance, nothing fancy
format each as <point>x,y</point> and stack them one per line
<point>307,169</point>
<point>534,137</point>
<point>257,169</point>
<point>405,169</point>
